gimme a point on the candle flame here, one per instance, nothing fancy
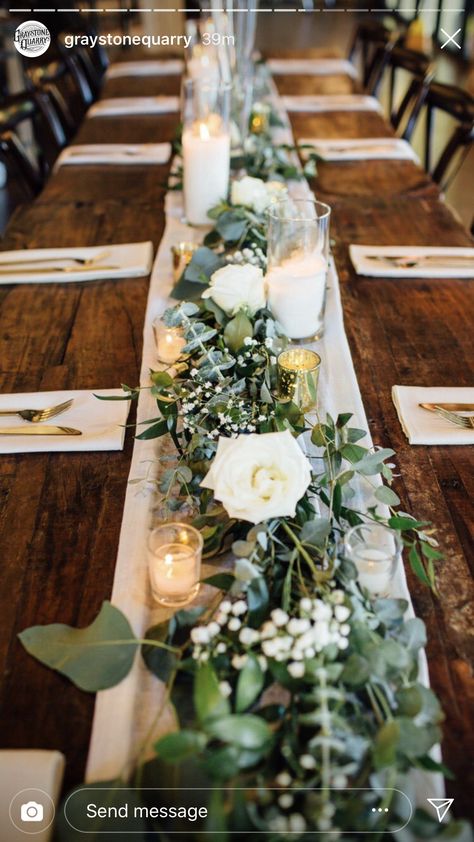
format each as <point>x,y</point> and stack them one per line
<point>168,559</point>
<point>204,133</point>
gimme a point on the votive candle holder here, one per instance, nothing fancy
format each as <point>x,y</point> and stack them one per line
<point>298,377</point>
<point>174,563</point>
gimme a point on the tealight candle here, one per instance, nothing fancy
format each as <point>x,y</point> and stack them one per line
<point>174,551</point>
<point>298,375</point>
<point>169,342</point>
<point>375,551</point>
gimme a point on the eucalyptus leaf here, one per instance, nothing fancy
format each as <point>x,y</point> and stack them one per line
<point>161,662</point>
<point>385,495</point>
<point>93,658</point>
<point>208,700</point>
<point>386,744</point>
<point>258,601</point>
<point>314,532</point>
<point>249,684</point>
<point>246,731</point>
<point>413,634</point>
<point>238,329</point>
<point>180,745</point>
<point>416,740</point>
<point>371,464</point>
<point>202,265</point>
<point>223,581</point>
<point>231,225</point>
<point>154,432</point>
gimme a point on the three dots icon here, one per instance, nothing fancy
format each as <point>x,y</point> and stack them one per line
<point>379,810</point>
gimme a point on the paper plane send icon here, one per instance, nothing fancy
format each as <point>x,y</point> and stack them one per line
<point>441,806</point>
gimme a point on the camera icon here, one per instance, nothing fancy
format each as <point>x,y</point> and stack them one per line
<point>31,812</point>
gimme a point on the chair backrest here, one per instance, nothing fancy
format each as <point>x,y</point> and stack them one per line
<point>61,67</point>
<point>391,59</point>
<point>369,37</point>
<point>35,108</point>
<point>459,105</point>
<point>20,170</point>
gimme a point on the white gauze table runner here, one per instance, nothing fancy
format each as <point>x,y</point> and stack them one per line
<point>125,715</point>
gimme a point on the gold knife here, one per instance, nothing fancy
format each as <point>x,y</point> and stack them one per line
<point>51,269</point>
<point>39,430</point>
<point>451,407</point>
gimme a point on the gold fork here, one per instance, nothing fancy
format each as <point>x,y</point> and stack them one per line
<point>36,415</point>
<point>466,421</point>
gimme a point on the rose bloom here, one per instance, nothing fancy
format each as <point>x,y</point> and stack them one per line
<point>257,477</point>
<point>256,194</point>
<point>237,287</point>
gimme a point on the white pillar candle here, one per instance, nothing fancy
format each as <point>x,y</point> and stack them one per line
<point>296,294</point>
<point>206,163</point>
<point>374,569</point>
<point>174,573</point>
<point>203,67</point>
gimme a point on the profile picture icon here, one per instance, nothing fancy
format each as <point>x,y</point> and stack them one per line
<point>31,812</point>
<point>32,38</point>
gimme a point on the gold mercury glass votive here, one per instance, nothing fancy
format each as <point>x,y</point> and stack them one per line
<point>259,123</point>
<point>298,375</point>
<point>182,255</point>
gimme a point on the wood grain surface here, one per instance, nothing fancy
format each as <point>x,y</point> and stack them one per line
<point>60,513</point>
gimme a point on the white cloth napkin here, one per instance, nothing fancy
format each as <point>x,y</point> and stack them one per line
<point>312,67</point>
<point>101,422</point>
<point>114,154</point>
<point>360,149</point>
<point>423,427</point>
<point>131,260</point>
<point>134,105</point>
<point>314,104</point>
<point>29,775</point>
<point>171,67</point>
<point>436,266</point>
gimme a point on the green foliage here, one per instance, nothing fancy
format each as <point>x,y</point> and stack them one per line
<point>208,700</point>
<point>93,658</point>
<point>249,684</point>
<point>176,747</point>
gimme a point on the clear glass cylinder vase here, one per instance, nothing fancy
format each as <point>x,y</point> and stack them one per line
<point>206,146</point>
<point>298,254</point>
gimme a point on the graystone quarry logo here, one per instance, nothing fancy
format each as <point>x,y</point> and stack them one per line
<point>32,38</point>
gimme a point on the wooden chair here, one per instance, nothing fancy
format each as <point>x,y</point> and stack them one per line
<point>21,172</point>
<point>63,71</point>
<point>369,40</point>
<point>34,108</point>
<point>393,58</point>
<point>459,105</point>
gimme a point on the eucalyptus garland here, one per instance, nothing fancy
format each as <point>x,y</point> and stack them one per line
<point>296,695</point>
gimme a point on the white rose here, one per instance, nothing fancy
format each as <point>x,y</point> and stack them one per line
<point>250,192</point>
<point>237,287</point>
<point>256,194</point>
<point>259,476</point>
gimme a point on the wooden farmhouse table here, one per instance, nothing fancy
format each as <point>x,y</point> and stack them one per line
<point>60,514</point>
